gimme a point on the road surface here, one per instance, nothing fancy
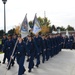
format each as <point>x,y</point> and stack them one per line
<point>61,64</point>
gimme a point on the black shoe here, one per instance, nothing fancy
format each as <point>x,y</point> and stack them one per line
<point>46,59</point>
<point>29,71</point>
<point>27,60</point>
<point>37,66</point>
<point>12,64</point>
<point>8,68</point>
<point>42,61</point>
<point>33,67</point>
<point>24,71</point>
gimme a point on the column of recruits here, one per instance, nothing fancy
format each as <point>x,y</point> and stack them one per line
<point>31,47</point>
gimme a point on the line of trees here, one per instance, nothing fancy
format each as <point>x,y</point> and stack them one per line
<point>45,24</point>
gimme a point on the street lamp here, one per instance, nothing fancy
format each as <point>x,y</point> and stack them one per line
<point>4,2</point>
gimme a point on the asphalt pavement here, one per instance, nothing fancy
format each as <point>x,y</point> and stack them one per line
<point>61,64</point>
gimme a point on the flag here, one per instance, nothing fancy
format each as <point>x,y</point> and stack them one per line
<point>36,24</point>
<point>25,27</point>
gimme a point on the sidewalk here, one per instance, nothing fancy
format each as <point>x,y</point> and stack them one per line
<point>61,64</point>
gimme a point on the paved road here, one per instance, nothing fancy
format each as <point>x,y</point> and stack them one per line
<point>61,64</point>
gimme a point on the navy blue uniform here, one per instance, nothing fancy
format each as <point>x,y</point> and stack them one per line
<point>62,41</point>
<point>0,44</point>
<point>58,44</point>
<point>25,39</point>
<point>31,48</point>
<point>20,56</point>
<point>8,48</point>
<point>47,49</point>
<point>27,52</point>
<point>55,46</point>
<point>50,45</point>
<point>3,42</point>
<point>14,40</point>
<point>38,49</point>
<point>71,42</point>
<point>52,48</point>
<point>43,50</point>
<point>66,42</point>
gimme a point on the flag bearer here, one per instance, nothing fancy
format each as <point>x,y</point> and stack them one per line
<point>20,55</point>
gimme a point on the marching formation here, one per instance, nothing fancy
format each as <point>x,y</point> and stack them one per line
<point>31,47</point>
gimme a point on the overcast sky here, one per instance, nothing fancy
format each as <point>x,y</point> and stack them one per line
<point>59,12</point>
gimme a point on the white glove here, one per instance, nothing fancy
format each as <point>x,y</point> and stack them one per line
<point>12,57</point>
